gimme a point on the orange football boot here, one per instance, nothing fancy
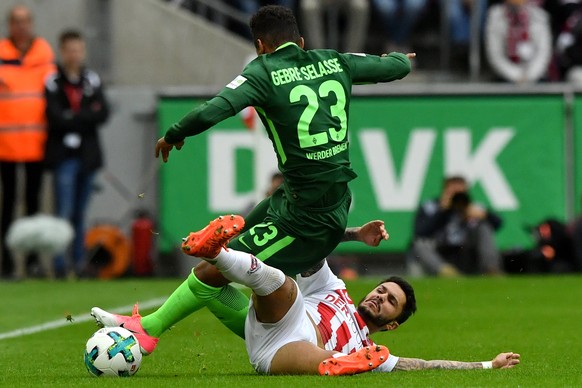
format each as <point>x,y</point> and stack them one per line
<point>207,243</point>
<point>364,360</point>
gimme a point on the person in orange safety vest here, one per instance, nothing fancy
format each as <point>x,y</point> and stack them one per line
<point>25,61</point>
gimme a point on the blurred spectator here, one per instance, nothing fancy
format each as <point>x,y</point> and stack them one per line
<point>518,41</point>
<point>314,12</point>
<point>459,15</point>
<point>559,11</point>
<point>554,249</point>
<point>251,6</point>
<point>453,235</point>
<point>25,61</point>
<point>569,49</point>
<point>276,181</point>
<point>76,106</point>
<point>399,18</point>
<point>247,7</point>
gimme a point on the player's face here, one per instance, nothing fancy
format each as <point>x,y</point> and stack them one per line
<point>383,305</point>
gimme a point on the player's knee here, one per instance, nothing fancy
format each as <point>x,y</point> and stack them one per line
<point>210,275</point>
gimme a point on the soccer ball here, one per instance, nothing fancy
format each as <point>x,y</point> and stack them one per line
<point>112,351</point>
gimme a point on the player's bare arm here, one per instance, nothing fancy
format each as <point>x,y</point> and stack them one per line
<point>197,121</point>
<point>501,361</point>
<point>370,233</point>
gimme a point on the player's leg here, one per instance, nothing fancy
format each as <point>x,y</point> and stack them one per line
<point>206,287</point>
<point>189,297</point>
<point>304,357</point>
<point>274,295</point>
<point>268,242</point>
<point>268,284</point>
<point>227,306</point>
<point>211,288</point>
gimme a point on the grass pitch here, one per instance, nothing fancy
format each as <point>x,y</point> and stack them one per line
<point>467,319</point>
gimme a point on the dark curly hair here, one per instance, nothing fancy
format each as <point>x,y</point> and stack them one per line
<point>274,25</point>
<point>410,305</point>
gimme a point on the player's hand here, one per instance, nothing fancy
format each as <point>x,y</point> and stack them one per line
<point>372,233</point>
<point>408,55</point>
<point>505,360</point>
<point>164,148</point>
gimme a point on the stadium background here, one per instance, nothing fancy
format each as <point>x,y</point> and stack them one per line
<point>518,144</point>
<point>147,51</point>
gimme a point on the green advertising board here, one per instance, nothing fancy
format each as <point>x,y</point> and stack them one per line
<point>511,148</point>
<point>577,130</point>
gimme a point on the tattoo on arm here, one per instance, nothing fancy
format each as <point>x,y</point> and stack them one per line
<point>313,269</point>
<point>407,364</point>
<point>351,234</point>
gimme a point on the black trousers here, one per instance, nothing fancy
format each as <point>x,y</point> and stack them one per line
<point>33,181</point>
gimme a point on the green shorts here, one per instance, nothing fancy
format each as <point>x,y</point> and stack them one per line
<point>291,238</point>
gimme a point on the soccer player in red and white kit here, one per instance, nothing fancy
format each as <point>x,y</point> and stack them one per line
<point>311,326</point>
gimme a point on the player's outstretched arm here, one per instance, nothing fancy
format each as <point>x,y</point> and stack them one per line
<point>501,361</point>
<point>372,69</point>
<point>194,123</point>
<point>370,233</point>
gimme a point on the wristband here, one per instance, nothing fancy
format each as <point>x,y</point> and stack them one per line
<point>487,364</point>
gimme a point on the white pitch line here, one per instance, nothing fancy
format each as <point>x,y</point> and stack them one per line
<point>85,318</point>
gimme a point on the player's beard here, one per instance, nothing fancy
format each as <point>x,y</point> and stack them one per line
<point>370,317</point>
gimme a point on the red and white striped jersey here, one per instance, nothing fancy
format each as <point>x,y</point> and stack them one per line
<point>330,307</point>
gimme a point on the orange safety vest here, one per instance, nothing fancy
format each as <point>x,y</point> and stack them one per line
<point>22,103</point>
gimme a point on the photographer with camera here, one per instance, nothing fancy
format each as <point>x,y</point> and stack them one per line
<point>454,236</point>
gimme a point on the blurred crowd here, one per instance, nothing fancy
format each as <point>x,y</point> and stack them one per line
<point>522,41</point>
<point>50,111</point>
<point>51,107</point>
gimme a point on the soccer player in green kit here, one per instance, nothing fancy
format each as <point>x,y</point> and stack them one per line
<point>302,98</point>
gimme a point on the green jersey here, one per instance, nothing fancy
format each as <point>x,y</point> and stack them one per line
<point>303,99</point>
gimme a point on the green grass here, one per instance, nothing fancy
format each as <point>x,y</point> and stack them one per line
<point>467,319</point>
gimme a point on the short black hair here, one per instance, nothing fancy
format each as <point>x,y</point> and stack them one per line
<point>68,35</point>
<point>410,305</point>
<point>274,25</point>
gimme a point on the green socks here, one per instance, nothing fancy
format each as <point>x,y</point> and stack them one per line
<point>179,305</point>
<point>227,303</point>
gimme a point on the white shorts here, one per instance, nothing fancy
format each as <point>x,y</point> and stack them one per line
<point>263,340</point>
